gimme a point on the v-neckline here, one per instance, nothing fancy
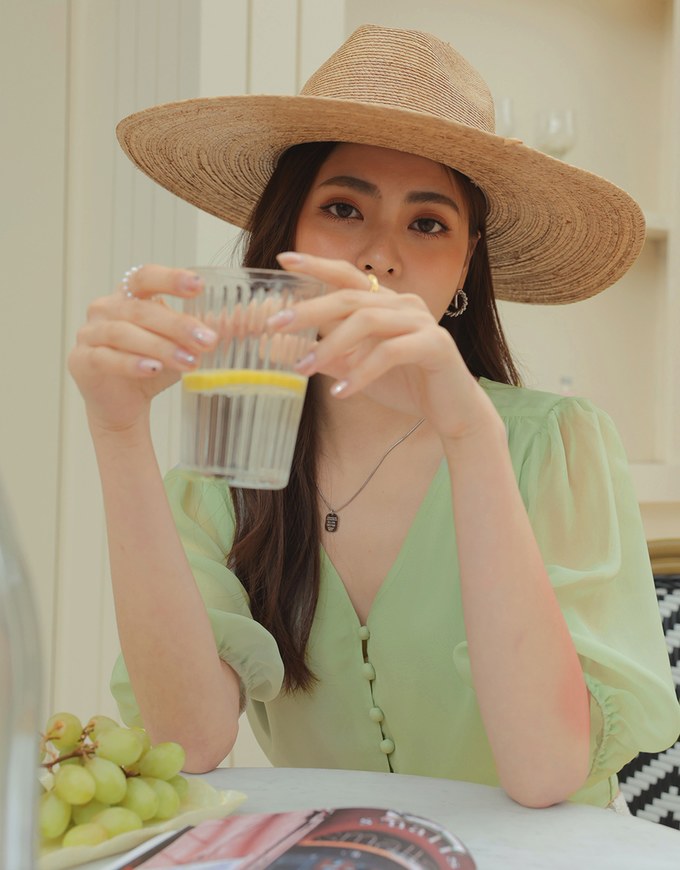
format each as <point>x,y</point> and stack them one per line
<point>393,570</point>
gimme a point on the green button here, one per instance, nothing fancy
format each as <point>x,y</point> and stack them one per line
<point>364,632</point>
<point>369,671</point>
<point>376,714</point>
<point>387,746</point>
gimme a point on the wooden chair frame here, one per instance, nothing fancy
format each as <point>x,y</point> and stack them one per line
<point>664,555</point>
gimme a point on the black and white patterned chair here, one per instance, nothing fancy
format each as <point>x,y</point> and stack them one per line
<point>651,782</point>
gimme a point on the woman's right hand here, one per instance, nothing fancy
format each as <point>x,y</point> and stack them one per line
<point>132,348</point>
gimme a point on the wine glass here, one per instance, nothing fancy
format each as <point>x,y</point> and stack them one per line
<point>555,131</point>
<point>505,117</point>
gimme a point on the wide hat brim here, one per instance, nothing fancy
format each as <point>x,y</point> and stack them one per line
<point>555,233</point>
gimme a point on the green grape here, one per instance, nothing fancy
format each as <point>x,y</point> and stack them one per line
<point>118,820</point>
<point>180,784</point>
<point>168,799</point>
<point>50,845</point>
<point>146,740</point>
<point>74,784</point>
<point>54,814</point>
<point>140,798</point>
<point>99,724</point>
<point>120,745</point>
<point>63,731</point>
<point>163,761</point>
<point>146,746</point>
<point>89,834</point>
<point>86,812</point>
<point>109,780</point>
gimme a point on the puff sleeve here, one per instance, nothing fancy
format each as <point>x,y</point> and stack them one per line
<point>575,483</point>
<point>203,514</point>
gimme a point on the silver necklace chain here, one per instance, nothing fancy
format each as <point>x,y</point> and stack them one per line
<point>331,521</point>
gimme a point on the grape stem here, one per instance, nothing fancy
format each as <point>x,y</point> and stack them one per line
<point>78,752</point>
<point>85,750</point>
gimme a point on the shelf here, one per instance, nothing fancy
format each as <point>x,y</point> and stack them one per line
<point>656,482</point>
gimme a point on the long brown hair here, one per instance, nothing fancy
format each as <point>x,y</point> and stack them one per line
<point>276,549</point>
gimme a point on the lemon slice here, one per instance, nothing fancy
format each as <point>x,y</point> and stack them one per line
<point>206,380</point>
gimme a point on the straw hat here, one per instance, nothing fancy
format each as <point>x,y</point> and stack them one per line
<point>555,233</point>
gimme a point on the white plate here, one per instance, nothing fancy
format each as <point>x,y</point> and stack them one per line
<point>200,805</point>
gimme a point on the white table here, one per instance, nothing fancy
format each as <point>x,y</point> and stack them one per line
<point>498,832</point>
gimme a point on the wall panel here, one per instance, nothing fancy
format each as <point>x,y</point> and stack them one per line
<point>33,106</point>
<point>122,59</point>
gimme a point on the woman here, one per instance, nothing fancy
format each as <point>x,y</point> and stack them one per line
<point>481,605</point>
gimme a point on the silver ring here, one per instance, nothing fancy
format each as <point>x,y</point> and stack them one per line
<point>125,282</point>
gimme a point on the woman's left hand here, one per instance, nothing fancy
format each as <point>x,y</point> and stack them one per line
<point>387,345</point>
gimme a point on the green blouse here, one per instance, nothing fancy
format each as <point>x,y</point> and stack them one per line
<point>409,706</point>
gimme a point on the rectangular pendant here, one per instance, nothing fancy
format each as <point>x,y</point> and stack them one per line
<point>331,523</point>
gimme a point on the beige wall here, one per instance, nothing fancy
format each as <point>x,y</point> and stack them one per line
<point>76,214</point>
<point>33,72</point>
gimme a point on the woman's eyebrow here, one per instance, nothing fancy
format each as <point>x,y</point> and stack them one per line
<point>416,196</point>
<point>355,183</point>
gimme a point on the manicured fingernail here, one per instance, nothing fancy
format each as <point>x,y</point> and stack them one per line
<point>187,359</point>
<point>306,362</point>
<point>290,258</point>
<point>204,336</point>
<point>191,283</point>
<point>339,388</point>
<point>150,365</point>
<point>281,318</point>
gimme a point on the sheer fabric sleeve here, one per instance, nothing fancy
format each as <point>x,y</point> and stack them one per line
<point>203,514</point>
<point>576,485</point>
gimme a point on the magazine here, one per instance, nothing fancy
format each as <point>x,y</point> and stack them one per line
<point>340,839</point>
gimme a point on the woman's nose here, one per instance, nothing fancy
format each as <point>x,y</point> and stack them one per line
<point>379,256</point>
<point>369,267</point>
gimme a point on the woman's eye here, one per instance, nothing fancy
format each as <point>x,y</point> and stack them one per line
<point>341,210</point>
<point>429,226</point>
